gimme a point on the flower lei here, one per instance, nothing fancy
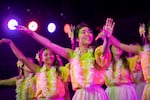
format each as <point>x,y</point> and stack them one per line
<point>83,67</point>
<point>47,81</point>
<point>117,73</point>
<point>20,87</point>
<point>23,86</point>
<point>29,86</point>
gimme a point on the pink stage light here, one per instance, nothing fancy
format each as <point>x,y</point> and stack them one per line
<point>51,27</point>
<point>12,23</point>
<point>33,26</point>
<point>67,28</point>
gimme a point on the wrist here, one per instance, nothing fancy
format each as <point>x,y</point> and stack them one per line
<point>30,33</point>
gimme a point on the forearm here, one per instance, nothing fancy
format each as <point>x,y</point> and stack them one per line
<point>16,51</point>
<point>125,47</point>
<point>48,44</point>
<point>106,45</point>
<point>21,57</point>
<point>8,82</point>
<point>42,40</point>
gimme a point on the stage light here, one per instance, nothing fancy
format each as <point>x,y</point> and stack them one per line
<point>67,28</point>
<point>33,26</point>
<point>51,27</point>
<point>12,23</point>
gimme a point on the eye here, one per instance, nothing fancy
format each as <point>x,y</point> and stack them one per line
<point>90,32</point>
<point>45,54</point>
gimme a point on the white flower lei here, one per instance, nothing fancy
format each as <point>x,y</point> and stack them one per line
<point>22,88</point>
<point>109,72</point>
<point>47,82</point>
<point>83,72</point>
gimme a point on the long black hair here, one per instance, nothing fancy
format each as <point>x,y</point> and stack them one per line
<point>55,63</point>
<point>123,57</point>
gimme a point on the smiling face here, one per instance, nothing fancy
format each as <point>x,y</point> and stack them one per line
<point>47,57</point>
<point>85,36</point>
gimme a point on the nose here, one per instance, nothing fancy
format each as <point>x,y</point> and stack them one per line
<point>86,33</point>
<point>48,56</point>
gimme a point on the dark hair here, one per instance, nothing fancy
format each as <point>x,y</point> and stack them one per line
<point>55,63</point>
<point>21,69</point>
<point>79,26</point>
<point>40,56</point>
<point>76,31</point>
<point>123,58</point>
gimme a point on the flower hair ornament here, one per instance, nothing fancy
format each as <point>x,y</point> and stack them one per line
<point>71,32</point>
<point>71,35</point>
<point>19,64</point>
<point>37,56</point>
<point>142,30</point>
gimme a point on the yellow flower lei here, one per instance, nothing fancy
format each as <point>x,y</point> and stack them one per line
<point>47,82</point>
<point>83,66</point>
<point>23,86</point>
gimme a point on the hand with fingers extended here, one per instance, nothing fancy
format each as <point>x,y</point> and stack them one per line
<point>109,27</point>
<point>24,29</point>
<point>5,40</point>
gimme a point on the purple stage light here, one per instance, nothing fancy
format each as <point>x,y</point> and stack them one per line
<point>51,27</point>
<point>12,23</point>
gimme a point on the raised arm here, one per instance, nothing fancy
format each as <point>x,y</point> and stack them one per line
<point>102,54</point>
<point>46,42</point>
<point>107,30</point>
<point>33,67</point>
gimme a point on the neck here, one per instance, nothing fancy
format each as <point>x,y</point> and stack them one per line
<point>83,48</point>
<point>48,65</point>
<point>116,57</point>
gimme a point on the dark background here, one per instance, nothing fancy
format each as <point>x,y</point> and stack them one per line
<point>126,14</point>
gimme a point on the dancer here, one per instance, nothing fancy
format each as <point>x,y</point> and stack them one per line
<point>144,54</point>
<point>119,78</point>
<point>25,82</point>
<point>137,74</point>
<point>86,77</point>
<point>49,84</point>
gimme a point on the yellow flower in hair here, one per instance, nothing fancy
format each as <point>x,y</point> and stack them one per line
<point>19,64</point>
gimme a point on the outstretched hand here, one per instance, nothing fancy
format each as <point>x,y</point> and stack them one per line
<point>109,27</point>
<point>5,40</point>
<point>23,29</point>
